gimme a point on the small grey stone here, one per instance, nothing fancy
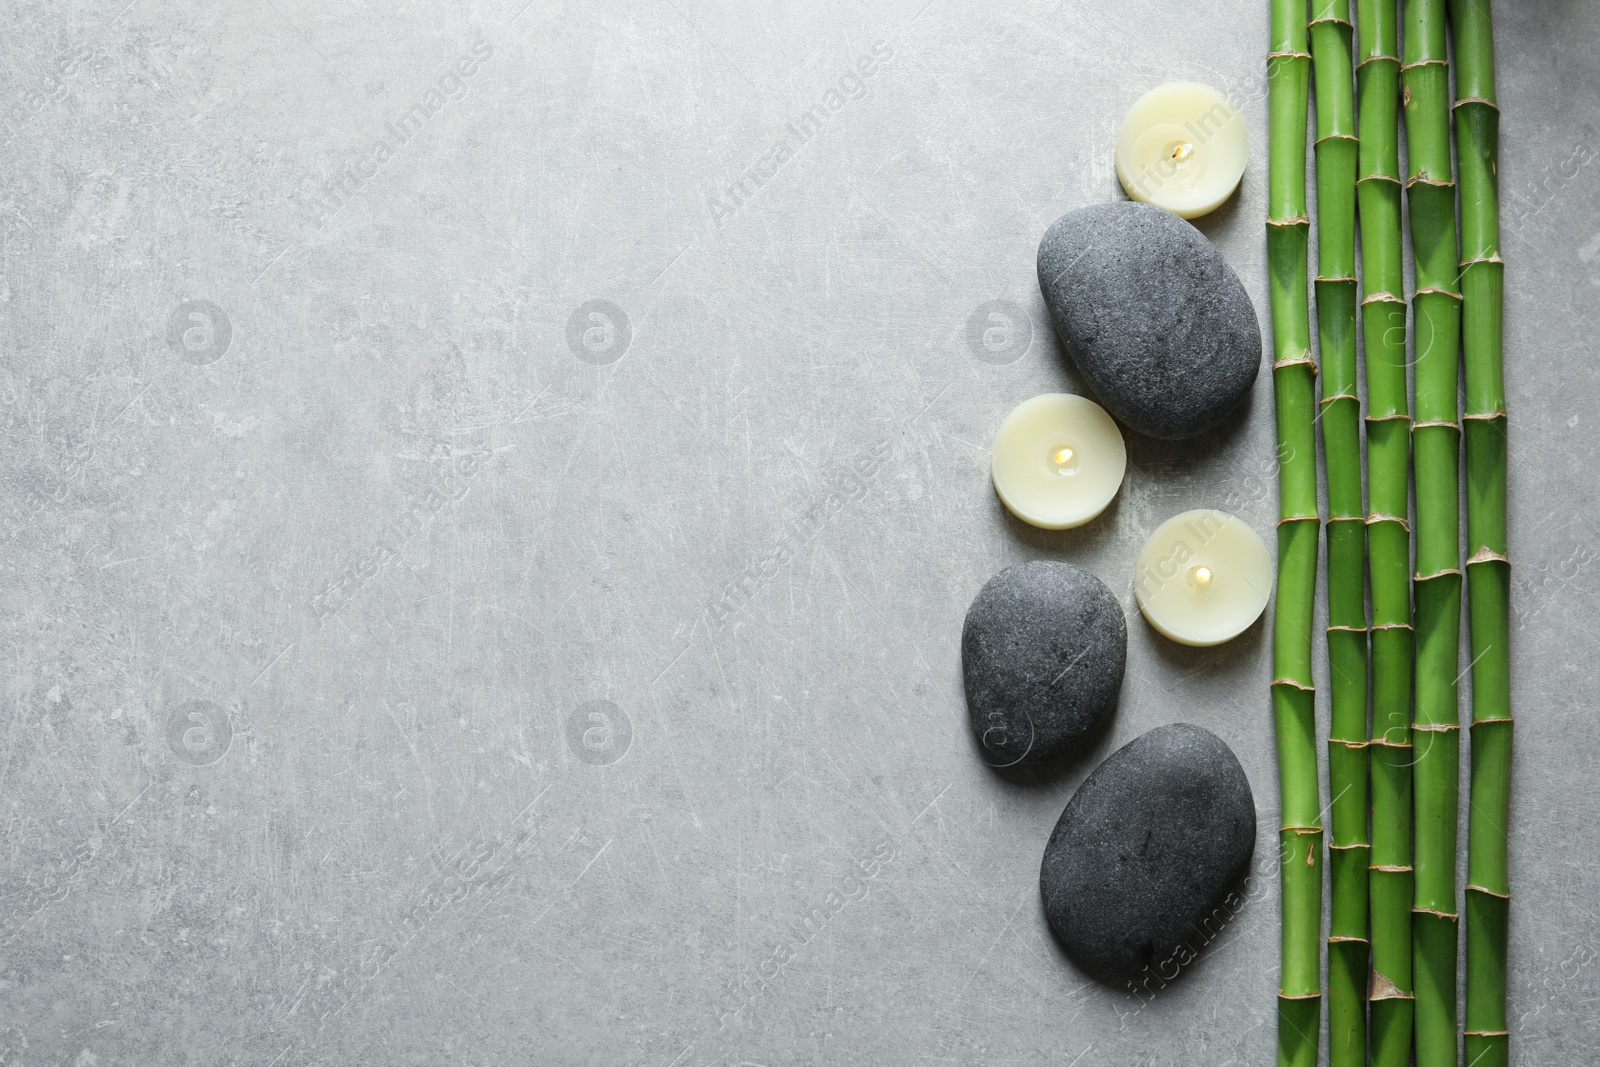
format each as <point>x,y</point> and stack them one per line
<point>1042,652</point>
<point>1152,315</point>
<point>1143,867</point>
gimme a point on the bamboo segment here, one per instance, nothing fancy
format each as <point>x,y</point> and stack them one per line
<point>1383,329</point>
<point>1488,891</point>
<point>1436,445</point>
<point>1349,849</point>
<point>1294,391</point>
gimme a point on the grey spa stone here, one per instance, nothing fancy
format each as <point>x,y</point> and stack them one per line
<point>1152,315</point>
<point>1144,864</point>
<point>1042,653</point>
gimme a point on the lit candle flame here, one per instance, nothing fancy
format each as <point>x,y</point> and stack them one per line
<point>1202,576</point>
<point>1063,457</point>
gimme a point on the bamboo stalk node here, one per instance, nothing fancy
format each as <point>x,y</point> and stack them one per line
<point>1296,361</point>
<point>1339,939</point>
<point>1487,892</point>
<point>1487,720</point>
<point>1287,55</point>
<point>1345,518</point>
<point>1347,629</point>
<point>1300,518</point>
<point>1356,846</point>
<point>1465,100</point>
<point>1352,138</point>
<point>1445,573</point>
<point>1383,988</point>
<point>1486,1033</point>
<point>1299,996</point>
<point>1378,59</point>
<point>1391,868</point>
<point>1447,916</point>
<point>1377,178</point>
<point>1292,684</point>
<point>1424,178</point>
<point>1330,20</point>
<point>1419,64</point>
<point>1437,291</point>
<point>1378,517</point>
<point>1485,416</point>
<point>1465,263</point>
<point>1321,280</point>
<point>1381,297</point>
<point>1291,222</point>
<point>1440,424</point>
<point>1488,555</point>
<point>1301,831</point>
<point>1436,727</point>
<point>1391,626</point>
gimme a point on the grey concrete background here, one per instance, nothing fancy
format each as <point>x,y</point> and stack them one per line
<point>403,666</point>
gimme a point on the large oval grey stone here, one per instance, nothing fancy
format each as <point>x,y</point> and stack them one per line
<point>1152,315</point>
<point>1042,653</point>
<point>1142,869</point>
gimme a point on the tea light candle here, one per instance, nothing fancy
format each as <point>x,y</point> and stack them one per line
<point>1182,147</point>
<point>1203,578</point>
<point>1058,460</point>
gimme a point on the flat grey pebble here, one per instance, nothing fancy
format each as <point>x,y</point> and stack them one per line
<point>1042,654</point>
<point>1153,316</point>
<point>1144,865</point>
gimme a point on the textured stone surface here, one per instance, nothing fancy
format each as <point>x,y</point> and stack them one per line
<point>754,535</point>
<point>1152,315</point>
<point>1149,857</point>
<point>1042,654</point>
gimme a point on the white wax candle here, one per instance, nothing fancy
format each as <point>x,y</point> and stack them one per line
<point>1182,147</point>
<point>1058,460</point>
<point>1203,578</point>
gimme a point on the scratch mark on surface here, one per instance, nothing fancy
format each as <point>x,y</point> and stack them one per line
<point>407,737</point>
<point>274,662</point>
<point>993,945</point>
<point>932,802</point>
<point>932,402</point>
<point>696,28</point>
<point>674,661</point>
<point>269,266</point>
<point>135,400</point>
<point>595,859</point>
<point>672,264</point>
<point>132,802</point>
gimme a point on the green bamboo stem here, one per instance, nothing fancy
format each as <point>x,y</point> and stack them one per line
<point>1436,439</point>
<point>1349,851</point>
<point>1294,390</point>
<point>1488,894</point>
<point>1383,329</point>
